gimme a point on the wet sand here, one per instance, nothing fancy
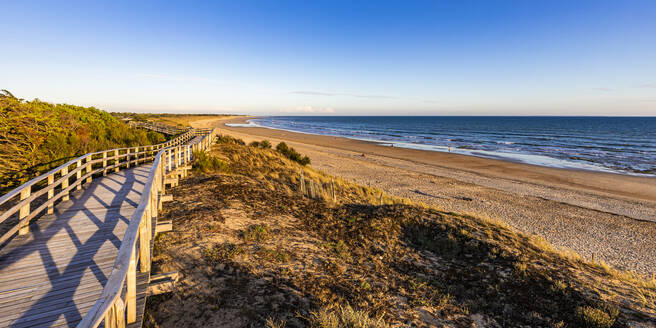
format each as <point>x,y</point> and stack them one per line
<point>609,216</point>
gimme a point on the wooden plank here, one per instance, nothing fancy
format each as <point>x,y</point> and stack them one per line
<point>65,285</point>
<point>61,237</point>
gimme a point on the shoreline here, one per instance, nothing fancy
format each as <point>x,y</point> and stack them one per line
<point>494,155</point>
<point>606,216</point>
<point>562,177</point>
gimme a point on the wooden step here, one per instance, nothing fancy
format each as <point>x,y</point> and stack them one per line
<point>162,283</point>
<point>164,226</point>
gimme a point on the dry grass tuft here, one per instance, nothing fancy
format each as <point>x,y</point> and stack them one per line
<point>344,317</point>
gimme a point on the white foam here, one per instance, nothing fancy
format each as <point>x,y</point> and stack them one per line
<point>250,124</point>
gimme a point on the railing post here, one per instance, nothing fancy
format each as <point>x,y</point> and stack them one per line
<point>78,175</point>
<point>64,172</point>
<point>119,313</point>
<point>136,155</point>
<point>24,210</point>
<point>169,160</point>
<point>51,193</point>
<point>116,160</point>
<point>154,198</point>
<point>144,247</point>
<point>89,168</point>
<point>176,155</point>
<point>131,296</point>
<point>128,157</point>
<point>104,163</point>
<point>162,174</point>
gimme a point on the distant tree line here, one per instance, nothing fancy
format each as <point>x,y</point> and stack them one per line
<point>36,136</point>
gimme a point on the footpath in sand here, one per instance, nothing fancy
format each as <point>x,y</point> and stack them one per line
<point>606,216</point>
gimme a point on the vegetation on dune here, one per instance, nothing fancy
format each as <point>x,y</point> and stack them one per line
<point>206,163</point>
<point>179,120</point>
<point>254,249</point>
<point>292,154</point>
<point>36,136</point>
<point>265,144</point>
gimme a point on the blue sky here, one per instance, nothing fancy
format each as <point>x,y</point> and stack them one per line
<point>335,57</point>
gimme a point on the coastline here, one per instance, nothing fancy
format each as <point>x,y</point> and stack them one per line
<point>607,216</point>
<point>630,186</point>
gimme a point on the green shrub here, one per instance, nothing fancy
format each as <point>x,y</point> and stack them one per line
<point>264,144</point>
<point>205,163</point>
<point>292,154</point>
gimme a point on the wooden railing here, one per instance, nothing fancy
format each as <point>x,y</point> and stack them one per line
<point>117,306</point>
<point>157,126</point>
<point>39,195</point>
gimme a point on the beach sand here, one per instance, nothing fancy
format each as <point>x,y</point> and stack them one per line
<point>610,217</point>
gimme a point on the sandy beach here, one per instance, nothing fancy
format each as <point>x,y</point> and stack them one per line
<point>607,216</point>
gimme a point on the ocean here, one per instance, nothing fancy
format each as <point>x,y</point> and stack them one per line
<point>624,145</point>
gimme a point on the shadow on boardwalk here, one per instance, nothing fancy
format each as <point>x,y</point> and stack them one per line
<point>53,275</point>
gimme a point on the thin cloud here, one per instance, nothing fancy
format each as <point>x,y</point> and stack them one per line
<point>331,94</point>
<point>648,85</point>
<point>603,89</point>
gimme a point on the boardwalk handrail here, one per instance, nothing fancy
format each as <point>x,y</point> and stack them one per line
<point>116,307</point>
<point>82,171</point>
<point>157,126</point>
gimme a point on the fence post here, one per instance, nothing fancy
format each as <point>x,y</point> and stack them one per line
<point>51,193</point>
<point>24,210</point>
<point>128,157</point>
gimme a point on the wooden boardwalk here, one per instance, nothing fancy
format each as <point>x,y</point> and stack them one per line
<point>79,240</point>
<point>54,274</point>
